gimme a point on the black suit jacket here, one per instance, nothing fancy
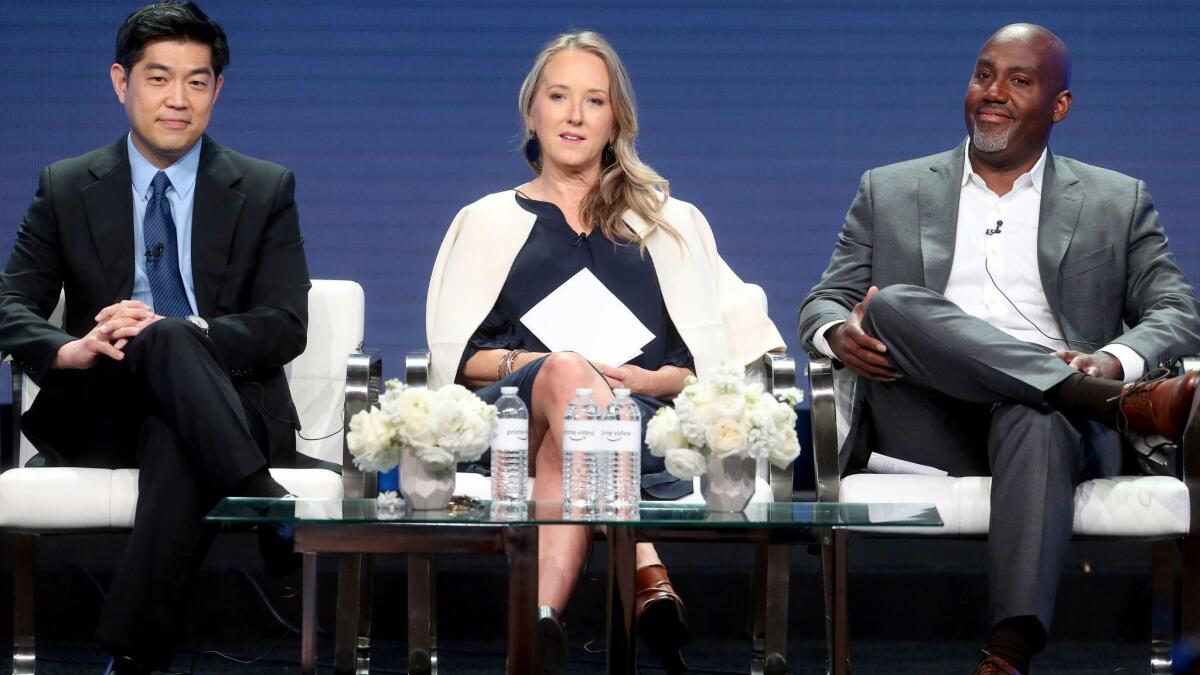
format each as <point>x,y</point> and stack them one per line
<point>248,267</point>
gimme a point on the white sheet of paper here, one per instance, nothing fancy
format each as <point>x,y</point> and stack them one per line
<point>881,463</point>
<point>889,513</point>
<point>583,316</point>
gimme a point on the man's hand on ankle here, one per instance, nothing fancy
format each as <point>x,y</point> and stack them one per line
<point>1098,364</point>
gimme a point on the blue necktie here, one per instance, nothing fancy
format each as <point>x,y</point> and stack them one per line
<point>162,253</point>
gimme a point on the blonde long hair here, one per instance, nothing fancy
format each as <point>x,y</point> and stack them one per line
<point>626,182</point>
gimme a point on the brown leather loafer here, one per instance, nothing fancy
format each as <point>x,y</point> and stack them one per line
<point>1162,406</point>
<point>660,617</point>
<point>994,665</point>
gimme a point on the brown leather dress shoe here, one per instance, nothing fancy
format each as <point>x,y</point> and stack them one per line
<point>1162,406</point>
<point>660,617</point>
<point>994,665</point>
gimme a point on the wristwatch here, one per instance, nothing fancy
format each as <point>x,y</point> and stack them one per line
<point>199,322</point>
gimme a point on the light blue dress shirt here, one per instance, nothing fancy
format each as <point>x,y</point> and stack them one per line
<point>181,195</point>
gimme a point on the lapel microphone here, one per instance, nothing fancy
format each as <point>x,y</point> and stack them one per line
<point>155,252</point>
<point>990,231</point>
<point>579,239</point>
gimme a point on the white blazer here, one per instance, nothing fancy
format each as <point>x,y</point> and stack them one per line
<point>713,310</point>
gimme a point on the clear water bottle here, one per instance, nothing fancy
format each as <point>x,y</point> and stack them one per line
<point>621,442</point>
<point>582,490</point>
<point>510,448</point>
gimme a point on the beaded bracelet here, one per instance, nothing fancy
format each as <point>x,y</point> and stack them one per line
<point>505,367</point>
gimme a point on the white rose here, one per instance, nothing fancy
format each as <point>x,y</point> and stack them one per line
<point>663,433</point>
<point>786,448</point>
<point>759,442</point>
<point>370,440</point>
<point>470,440</point>
<point>784,415</point>
<point>434,458</point>
<point>404,406</point>
<point>726,437</point>
<point>410,412</point>
<point>727,406</point>
<point>685,463</point>
<point>461,424</point>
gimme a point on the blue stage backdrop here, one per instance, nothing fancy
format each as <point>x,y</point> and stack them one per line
<point>764,114</point>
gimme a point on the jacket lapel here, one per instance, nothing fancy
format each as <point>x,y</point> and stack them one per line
<point>1062,199</point>
<point>108,204</point>
<point>215,212</point>
<point>938,192</point>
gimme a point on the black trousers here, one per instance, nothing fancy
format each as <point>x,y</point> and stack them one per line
<point>171,410</point>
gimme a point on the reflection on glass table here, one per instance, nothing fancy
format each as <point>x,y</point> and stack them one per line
<point>648,515</point>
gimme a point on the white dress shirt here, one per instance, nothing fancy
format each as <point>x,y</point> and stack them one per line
<point>995,277</point>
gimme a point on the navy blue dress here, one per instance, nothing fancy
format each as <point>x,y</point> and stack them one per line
<point>552,254</point>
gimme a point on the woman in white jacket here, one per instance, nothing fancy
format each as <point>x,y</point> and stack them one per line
<point>592,204</point>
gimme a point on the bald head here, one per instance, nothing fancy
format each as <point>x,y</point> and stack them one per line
<point>1054,61</point>
<point>1017,93</point>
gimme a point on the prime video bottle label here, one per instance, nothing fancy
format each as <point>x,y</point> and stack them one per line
<point>581,435</point>
<point>621,436</point>
<point>511,435</point>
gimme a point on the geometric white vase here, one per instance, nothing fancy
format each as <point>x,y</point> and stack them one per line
<point>728,484</point>
<point>424,490</point>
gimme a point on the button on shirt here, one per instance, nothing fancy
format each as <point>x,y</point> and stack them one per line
<point>1011,258</point>
<point>180,195</point>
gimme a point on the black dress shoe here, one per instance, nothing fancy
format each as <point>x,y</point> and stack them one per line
<point>125,665</point>
<point>278,551</point>
<point>550,643</point>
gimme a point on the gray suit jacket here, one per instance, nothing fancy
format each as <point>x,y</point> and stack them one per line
<point>1105,266</point>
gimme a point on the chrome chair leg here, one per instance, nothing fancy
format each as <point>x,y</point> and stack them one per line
<point>1162,609</point>
<point>422,615</point>
<point>833,570</point>
<point>778,571</point>
<point>349,579</point>
<point>308,611</point>
<point>758,629</point>
<point>24,568</point>
<point>362,657</point>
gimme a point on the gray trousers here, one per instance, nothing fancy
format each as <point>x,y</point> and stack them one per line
<point>972,402</point>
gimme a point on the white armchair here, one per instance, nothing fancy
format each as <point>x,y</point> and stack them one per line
<point>330,381</point>
<point>1159,509</point>
<point>776,372</point>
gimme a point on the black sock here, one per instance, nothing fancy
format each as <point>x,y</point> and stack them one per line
<point>1091,397</point>
<point>1016,640</point>
<point>260,484</point>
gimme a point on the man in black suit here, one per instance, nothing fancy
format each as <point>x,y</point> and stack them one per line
<point>186,293</point>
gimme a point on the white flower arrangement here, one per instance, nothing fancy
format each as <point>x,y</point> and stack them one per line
<point>723,416</point>
<point>441,428</point>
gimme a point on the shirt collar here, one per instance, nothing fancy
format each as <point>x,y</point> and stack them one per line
<point>182,173</point>
<point>1033,177</point>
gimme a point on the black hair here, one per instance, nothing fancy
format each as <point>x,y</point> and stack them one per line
<point>170,20</point>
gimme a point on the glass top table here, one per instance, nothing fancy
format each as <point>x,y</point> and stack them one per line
<point>650,515</point>
<point>356,529</point>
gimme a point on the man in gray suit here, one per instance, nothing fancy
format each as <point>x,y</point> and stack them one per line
<point>981,295</point>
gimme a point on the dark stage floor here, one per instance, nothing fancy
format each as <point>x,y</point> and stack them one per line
<point>707,656</point>
<point>916,608</point>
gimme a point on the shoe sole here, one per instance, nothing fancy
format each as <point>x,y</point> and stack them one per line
<point>551,643</point>
<point>665,631</point>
